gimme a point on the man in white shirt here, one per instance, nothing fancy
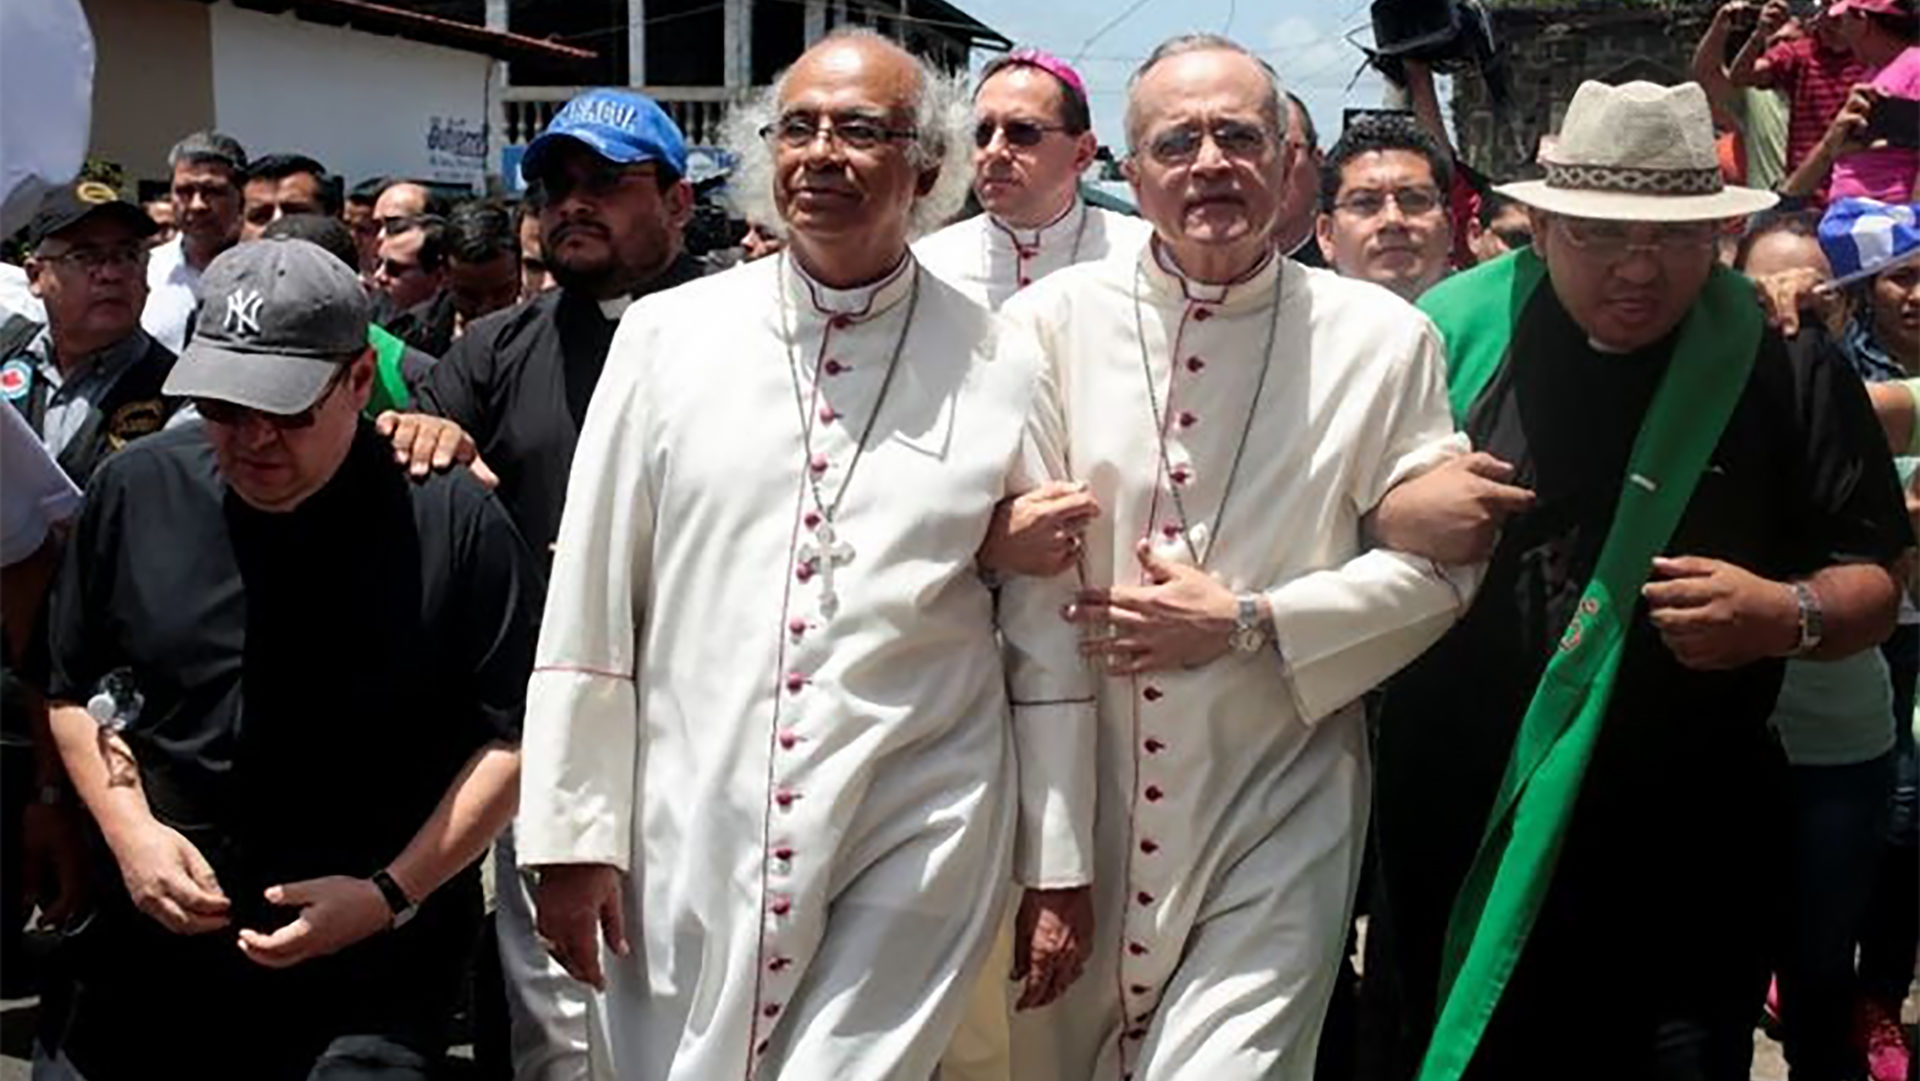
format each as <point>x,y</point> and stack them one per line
<point>1237,416</point>
<point>1033,138</point>
<point>208,175</point>
<point>769,728</point>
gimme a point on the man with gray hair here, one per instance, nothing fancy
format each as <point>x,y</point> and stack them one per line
<point>769,732</point>
<point>208,174</point>
<point>1237,416</point>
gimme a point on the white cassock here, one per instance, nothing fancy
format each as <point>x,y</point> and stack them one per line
<point>1233,797</point>
<point>990,261</point>
<point>815,803</point>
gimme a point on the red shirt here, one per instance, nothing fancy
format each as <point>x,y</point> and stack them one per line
<point>1816,82</point>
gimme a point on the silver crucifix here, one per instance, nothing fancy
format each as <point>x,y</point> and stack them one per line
<point>824,553</point>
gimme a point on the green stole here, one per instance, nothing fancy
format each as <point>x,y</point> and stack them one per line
<point>389,386</point>
<point>1476,313</point>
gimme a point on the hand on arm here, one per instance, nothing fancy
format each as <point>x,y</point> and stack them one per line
<point>428,444</point>
<point>1052,938</point>
<point>1714,615</point>
<point>166,876</point>
<point>336,911</point>
<point>1039,533</point>
<point>1452,513</point>
<point>1183,619</point>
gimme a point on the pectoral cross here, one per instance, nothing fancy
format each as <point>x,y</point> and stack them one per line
<point>824,553</point>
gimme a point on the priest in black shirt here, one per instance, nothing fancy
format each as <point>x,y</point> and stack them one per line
<point>607,179</point>
<point>1578,796</point>
<point>287,684</point>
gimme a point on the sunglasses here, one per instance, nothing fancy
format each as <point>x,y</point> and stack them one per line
<point>228,414</point>
<point>597,181</point>
<point>1020,133</point>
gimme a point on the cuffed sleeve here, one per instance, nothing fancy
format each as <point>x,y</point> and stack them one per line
<point>581,744</point>
<point>1054,720</point>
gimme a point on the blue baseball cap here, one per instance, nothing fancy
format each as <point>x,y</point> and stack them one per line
<point>1863,237</point>
<point>621,126</point>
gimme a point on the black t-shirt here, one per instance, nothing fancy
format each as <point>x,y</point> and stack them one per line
<point>1801,479</point>
<point>519,382</point>
<point>313,680</point>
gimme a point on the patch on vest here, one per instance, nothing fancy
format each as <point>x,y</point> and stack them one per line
<point>135,419</point>
<point>16,376</point>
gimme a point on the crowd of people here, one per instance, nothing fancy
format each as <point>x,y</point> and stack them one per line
<point>1353,619</point>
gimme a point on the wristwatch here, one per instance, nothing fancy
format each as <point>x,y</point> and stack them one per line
<point>402,906</point>
<point>1812,621</point>
<point>1249,627</point>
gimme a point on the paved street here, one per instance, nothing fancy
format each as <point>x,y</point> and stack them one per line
<point>16,1022</point>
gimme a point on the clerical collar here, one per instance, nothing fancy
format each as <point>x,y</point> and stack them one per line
<point>1062,230</point>
<point>614,307</point>
<point>851,305</point>
<point>1168,281</point>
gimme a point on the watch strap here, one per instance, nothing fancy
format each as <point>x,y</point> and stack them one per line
<point>398,902</point>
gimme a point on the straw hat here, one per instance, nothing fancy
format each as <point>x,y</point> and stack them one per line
<point>1637,152</point>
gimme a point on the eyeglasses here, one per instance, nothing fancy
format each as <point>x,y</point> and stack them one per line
<point>1233,138</point>
<point>228,414</point>
<point>596,181</point>
<point>1021,133</point>
<point>1368,203</point>
<point>94,260</point>
<point>797,131</point>
<point>1614,239</point>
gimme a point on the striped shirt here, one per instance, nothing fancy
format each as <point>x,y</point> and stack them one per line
<point>1816,82</point>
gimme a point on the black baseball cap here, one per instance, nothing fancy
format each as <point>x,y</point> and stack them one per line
<point>277,318</point>
<point>70,204</point>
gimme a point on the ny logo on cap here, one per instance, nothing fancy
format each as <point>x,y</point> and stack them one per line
<point>243,313</point>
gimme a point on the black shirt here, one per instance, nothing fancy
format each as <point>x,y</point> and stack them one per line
<point>1801,479</point>
<point>313,680</point>
<point>519,381</point>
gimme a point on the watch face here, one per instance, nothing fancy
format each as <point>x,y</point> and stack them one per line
<point>1247,639</point>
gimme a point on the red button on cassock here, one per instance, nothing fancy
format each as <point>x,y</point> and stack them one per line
<point>1149,846</point>
<point>804,572</point>
<point>783,853</point>
<point>1143,897</point>
<point>1188,420</point>
<point>1170,530</point>
<point>840,322</point>
<point>1137,949</point>
<point>1201,315</point>
<point>1154,746</point>
<point>1152,694</point>
<point>779,964</point>
<point>797,626</point>
<point>827,415</point>
<point>834,367</point>
<point>771,1009</point>
<point>781,906</point>
<point>795,681</point>
<point>1153,793</point>
<point>1139,988</point>
<point>787,740</point>
<point>783,797</point>
<point>818,463</point>
<point>811,519</point>
<point>1194,364</point>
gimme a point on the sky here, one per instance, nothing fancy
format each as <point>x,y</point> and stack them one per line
<point>1305,40</point>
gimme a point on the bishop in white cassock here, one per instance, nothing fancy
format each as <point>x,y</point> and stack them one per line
<point>1033,138</point>
<point>769,702</point>
<point>1236,413</point>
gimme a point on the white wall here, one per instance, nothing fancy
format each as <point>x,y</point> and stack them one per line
<point>363,104</point>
